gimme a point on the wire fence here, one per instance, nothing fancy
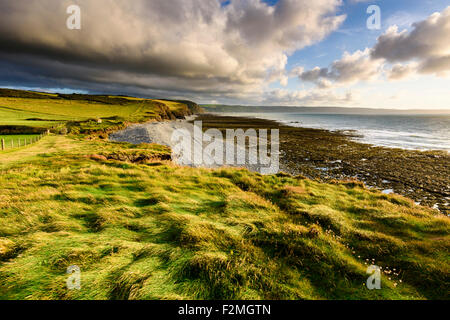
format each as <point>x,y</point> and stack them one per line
<point>20,142</point>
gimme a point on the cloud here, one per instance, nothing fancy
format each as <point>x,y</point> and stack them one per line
<point>351,68</point>
<point>423,50</point>
<point>400,71</point>
<point>178,48</point>
<point>436,65</point>
<point>427,44</point>
<point>308,97</point>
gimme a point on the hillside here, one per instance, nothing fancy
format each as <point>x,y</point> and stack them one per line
<point>141,227</point>
<point>80,113</point>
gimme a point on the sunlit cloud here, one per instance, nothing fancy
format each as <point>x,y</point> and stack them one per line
<point>424,49</point>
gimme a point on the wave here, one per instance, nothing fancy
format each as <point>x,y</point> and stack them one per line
<point>421,132</point>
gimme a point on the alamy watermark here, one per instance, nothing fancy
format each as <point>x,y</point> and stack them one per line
<point>374,281</point>
<point>214,148</point>
<point>374,21</point>
<point>73,22</point>
<point>74,280</point>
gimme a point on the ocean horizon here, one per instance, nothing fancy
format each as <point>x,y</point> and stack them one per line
<point>412,132</point>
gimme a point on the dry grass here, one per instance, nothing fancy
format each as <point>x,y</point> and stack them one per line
<point>140,227</point>
<point>157,231</point>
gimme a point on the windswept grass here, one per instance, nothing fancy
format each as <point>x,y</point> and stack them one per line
<point>152,230</point>
<point>140,227</point>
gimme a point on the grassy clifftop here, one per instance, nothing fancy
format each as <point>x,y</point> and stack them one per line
<point>140,227</point>
<point>81,113</point>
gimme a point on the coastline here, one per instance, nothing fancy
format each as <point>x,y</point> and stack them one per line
<point>161,133</point>
<point>384,130</point>
<point>325,155</point>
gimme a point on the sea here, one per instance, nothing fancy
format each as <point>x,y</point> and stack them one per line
<point>416,132</point>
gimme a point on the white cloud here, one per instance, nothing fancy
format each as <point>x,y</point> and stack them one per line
<point>427,44</point>
<point>308,98</point>
<point>400,71</point>
<point>423,50</point>
<point>351,68</point>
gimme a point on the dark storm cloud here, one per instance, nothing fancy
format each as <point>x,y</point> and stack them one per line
<point>194,48</point>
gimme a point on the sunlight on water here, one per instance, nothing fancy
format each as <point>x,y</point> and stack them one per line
<point>419,132</point>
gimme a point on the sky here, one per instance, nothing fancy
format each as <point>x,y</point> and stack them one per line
<point>246,52</point>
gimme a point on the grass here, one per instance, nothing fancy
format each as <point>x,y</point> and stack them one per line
<point>17,117</point>
<point>67,109</point>
<point>48,145</point>
<point>152,230</point>
<point>16,137</point>
<point>140,227</point>
<point>29,109</point>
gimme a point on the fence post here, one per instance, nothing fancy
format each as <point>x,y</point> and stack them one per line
<point>3,144</point>
<point>12,144</point>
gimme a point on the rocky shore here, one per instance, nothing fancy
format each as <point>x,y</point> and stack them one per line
<point>325,155</point>
<point>161,133</point>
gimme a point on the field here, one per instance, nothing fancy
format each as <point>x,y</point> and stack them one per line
<point>16,137</point>
<point>140,227</point>
<point>64,110</point>
<point>26,114</point>
<point>17,117</point>
<point>30,109</point>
